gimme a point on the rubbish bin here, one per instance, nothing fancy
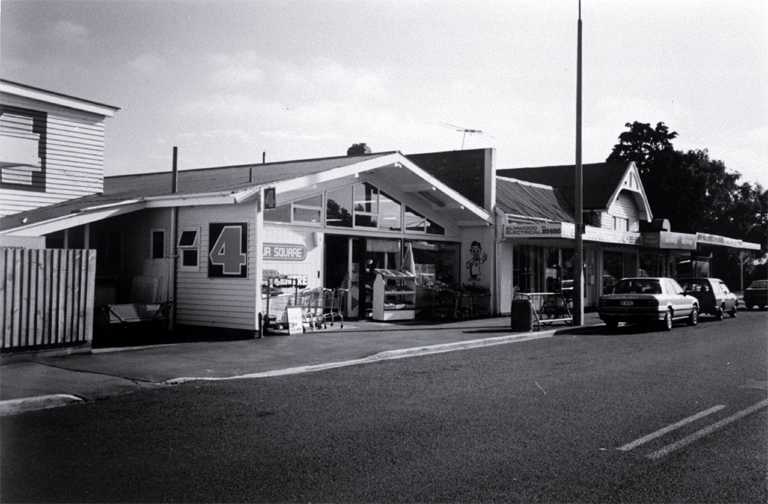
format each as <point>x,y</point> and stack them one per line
<point>522,314</point>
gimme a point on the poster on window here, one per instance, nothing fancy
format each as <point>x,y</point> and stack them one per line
<point>228,245</point>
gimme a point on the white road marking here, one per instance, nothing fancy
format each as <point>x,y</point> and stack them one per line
<point>670,428</point>
<point>707,430</point>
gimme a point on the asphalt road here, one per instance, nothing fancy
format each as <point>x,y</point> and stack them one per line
<point>626,416</point>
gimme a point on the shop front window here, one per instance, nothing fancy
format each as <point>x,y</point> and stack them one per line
<point>305,211</point>
<point>436,262</point>
<point>338,211</point>
<point>308,210</point>
<point>613,270</point>
<point>389,213</point>
<point>527,261</point>
<point>652,265</point>
<point>417,223</point>
<point>363,206</point>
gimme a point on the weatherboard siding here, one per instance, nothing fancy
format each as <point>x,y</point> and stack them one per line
<point>216,302</point>
<point>73,162</point>
<point>625,208</point>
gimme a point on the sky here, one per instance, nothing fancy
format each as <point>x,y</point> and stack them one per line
<point>228,82</point>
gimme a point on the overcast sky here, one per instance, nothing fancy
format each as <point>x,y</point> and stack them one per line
<point>227,80</point>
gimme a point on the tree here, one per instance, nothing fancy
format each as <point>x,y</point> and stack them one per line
<point>644,145</point>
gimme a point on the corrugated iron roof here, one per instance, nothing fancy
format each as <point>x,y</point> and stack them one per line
<point>226,177</point>
<point>600,180</point>
<point>532,200</point>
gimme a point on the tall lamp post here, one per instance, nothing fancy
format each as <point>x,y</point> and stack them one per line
<point>578,262</point>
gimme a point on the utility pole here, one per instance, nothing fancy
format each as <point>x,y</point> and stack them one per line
<point>578,259</point>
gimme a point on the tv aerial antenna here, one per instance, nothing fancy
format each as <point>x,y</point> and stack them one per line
<point>466,131</point>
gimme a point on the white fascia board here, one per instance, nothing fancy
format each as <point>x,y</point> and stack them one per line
<point>58,99</point>
<point>432,181</point>
<point>73,220</point>
<point>336,173</point>
<point>178,200</point>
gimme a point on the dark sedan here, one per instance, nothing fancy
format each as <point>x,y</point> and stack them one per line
<point>756,295</point>
<point>648,299</point>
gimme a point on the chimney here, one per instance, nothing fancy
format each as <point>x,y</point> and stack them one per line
<point>358,149</point>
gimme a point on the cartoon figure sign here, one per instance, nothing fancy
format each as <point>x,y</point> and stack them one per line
<point>478,258</point>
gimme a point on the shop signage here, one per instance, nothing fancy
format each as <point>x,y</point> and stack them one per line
<point>568,230</point>
<point>669,240</point>
<point>718,240</point>
<point>228,244</point>
<point>284,252</point>
<point>544,230</point>
<point>596,234</point>
<point>270,198</point>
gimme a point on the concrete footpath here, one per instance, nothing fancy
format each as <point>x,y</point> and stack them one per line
<point>29,382</point>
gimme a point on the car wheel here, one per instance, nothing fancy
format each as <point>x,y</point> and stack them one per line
<point>693,318</point>
<point>611,324</point>
<point>719,313</point>
<point>762,306</point>
<point>667,323</point>
<point>733,312</point>
<point>749,307</point>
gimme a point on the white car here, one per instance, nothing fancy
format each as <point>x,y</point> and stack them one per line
<point>647,300</point>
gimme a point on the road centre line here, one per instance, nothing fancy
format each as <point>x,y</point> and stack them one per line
<point>707,430</point>
<point>669,428</point>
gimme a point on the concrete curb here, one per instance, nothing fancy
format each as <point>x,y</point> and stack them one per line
<point>14,406</point>
<point>378,357</point>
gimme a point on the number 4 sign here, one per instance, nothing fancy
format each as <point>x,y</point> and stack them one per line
<point>228,245</point>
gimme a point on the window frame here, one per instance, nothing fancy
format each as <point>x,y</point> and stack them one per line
<point>152,233</point>
<point>183,248</point>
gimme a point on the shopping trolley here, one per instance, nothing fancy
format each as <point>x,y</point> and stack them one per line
<point>311,302</point>
<point>333,302</point>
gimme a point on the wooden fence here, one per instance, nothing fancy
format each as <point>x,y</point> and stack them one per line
<point>46,297</point>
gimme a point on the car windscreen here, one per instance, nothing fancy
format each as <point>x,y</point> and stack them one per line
<point>638,286</point>
<point>759,284</point>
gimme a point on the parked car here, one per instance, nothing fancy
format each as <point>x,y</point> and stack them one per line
<point>715,298</point>
<point>646,300</point>
<point>756,294</point>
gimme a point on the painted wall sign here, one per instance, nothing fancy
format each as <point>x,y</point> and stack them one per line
<point>270,198</point>
<point>568,230</point>
<point>545,230</point>
<point>284,252</point>
<point>228,245</point>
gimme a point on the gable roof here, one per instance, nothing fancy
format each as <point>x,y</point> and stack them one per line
<point>600,181</point>
<point>530,200</point>
<point>236,184</point>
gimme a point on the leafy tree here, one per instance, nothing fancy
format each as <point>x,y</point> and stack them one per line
<point>694,192</point>
<point>644,145</point>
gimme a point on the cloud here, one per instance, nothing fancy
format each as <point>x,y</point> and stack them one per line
<point>146,64</point>
<point>236,69</point>
<point>67,31</point>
